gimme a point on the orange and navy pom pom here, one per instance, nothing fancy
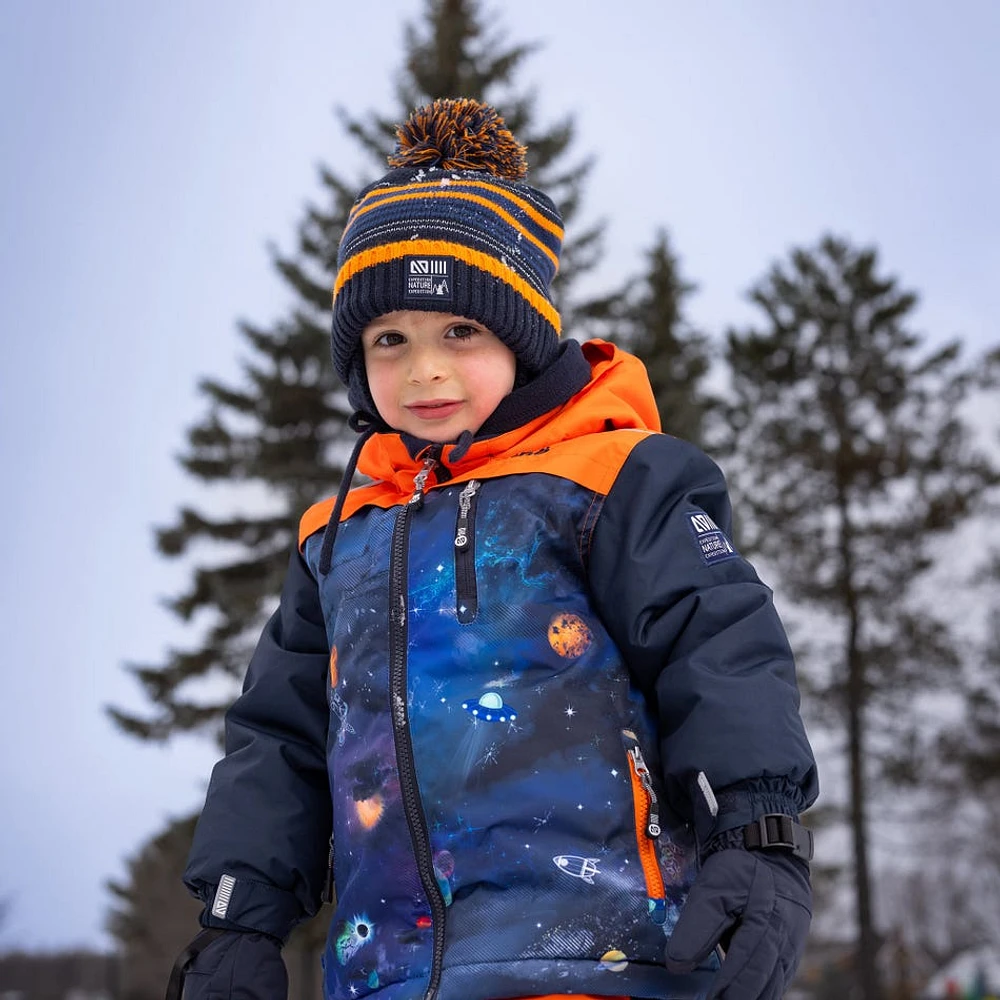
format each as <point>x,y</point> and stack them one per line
<point>459,134</point>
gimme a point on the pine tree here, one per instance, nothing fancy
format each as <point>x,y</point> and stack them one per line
<point>848,455</point>
<point>647,317</point>
<point>970,751</point>
<point>282,433</point>
<point>153,918</point>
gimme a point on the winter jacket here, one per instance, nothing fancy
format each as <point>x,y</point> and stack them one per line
<point>525,668</point>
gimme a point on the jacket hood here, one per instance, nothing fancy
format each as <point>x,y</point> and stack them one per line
<point>618,396</point>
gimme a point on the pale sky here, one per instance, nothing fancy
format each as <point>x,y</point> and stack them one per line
<point>151,150</point>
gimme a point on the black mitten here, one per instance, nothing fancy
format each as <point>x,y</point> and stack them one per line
<point>229,965</point>
<point>758,905</point>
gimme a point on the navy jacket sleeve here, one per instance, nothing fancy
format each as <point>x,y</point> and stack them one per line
<point>260,847</point>
<point>701,635</point>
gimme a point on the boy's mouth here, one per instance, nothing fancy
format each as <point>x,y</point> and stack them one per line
<point>435,409</point>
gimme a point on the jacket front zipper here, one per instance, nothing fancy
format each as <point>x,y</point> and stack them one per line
<point>412,807</point>
<point>647,826</point>
<point>466,594</point>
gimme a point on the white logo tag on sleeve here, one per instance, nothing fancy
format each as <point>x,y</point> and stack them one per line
<point>712,543</point>
<point>222,896</point>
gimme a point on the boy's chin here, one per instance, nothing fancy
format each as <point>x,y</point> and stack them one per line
<point>437,435</point>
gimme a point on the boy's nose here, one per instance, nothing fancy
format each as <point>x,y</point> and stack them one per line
<point>426,366</point>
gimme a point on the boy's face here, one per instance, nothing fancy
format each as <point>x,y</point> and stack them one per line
<point>434,375</point>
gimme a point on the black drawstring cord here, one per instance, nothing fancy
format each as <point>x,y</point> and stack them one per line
<point>462,446</point>
<point>366,425</point>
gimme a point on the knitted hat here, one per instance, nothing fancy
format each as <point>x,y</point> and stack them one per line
<point>451,228</point>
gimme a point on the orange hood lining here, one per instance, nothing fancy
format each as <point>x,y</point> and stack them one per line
<point>569,442</point>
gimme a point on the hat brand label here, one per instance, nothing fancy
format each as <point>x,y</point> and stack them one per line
<point>428,278</point>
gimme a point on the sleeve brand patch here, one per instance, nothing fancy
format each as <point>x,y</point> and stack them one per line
<point>428,278</point>
<point>712,543</point>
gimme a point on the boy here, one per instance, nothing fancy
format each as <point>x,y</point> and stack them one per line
<point>546,709</point>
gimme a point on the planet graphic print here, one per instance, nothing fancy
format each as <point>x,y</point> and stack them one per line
<point>444,862</point>
<point>444,868</point>
<point>569,635</point>
<point>369,811</point>
<point>356,933</point>
<point>613,961</point>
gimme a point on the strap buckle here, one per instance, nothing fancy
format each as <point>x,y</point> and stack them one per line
<point>779,831</point>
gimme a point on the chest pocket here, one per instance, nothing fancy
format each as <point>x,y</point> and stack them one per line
<point>466,590</point>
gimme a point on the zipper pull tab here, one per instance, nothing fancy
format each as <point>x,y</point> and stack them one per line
<point>464,506</point>
<point>639,761</point>
<point>653,828</point>
<point>419,481</point>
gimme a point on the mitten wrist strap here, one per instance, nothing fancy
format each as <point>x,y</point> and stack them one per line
<point>770,832</point>
<point>175,985</point>
<point>779,831</point>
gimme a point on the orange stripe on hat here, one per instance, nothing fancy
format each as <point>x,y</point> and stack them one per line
<point>463,196</point>
<point>394,251</point>
<point>381,195</point>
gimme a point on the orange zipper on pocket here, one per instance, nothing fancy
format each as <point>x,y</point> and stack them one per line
<point>647,823</point>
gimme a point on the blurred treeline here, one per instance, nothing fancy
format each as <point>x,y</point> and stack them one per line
<point>863,464</point>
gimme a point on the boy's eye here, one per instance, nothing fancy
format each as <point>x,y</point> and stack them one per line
<point>463,331</point>
<point>388,339</point>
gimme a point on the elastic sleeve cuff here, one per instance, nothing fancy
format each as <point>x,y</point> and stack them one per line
<point>245,905</point>
<point>742,804</point>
